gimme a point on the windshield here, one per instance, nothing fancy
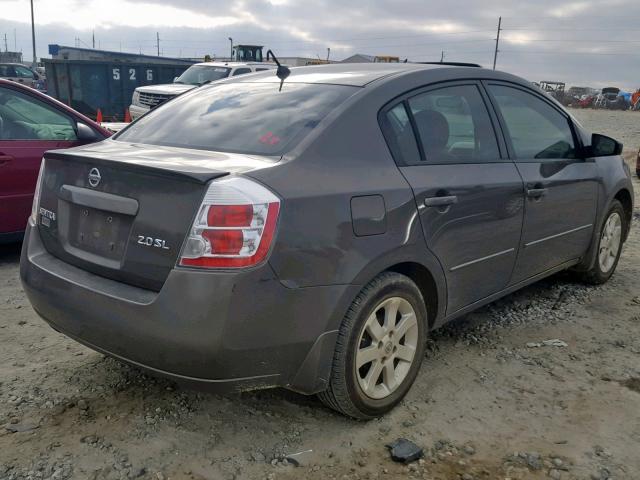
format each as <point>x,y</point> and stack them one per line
<point>199,74</point>
<point>242,117</point>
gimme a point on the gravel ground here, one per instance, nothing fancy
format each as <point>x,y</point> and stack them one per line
<point>623,126</point>
<point>492,401</point>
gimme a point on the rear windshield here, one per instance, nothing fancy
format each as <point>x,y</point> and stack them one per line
<point>197,75</point>
<point>252,118</point>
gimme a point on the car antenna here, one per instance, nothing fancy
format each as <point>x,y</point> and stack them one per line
<point>283,72</point>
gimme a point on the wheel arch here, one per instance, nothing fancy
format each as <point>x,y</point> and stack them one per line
<point>422,267</point>
<point>422,277</point>
<point>624,197</point>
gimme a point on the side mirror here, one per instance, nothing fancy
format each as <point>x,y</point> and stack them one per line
<point>174,79</point>
<point>603,146</point>
<point>85,133</point>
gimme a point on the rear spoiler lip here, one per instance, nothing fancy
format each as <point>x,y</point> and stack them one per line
<point>173,170</point>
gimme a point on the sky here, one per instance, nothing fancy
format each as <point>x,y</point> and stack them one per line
<point>584,42</point>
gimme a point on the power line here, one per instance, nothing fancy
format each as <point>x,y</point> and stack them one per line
<point>591,40</point>
<point>565,29</point>
<point>335,40</point>
<point>526,52</point>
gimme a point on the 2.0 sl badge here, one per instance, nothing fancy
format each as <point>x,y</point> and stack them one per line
<point>152,242</point>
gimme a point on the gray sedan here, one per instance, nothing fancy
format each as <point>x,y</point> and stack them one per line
<point>309,231</point>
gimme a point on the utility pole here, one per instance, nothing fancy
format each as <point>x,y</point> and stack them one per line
<point>495,54</point>
<point>158,42</point>
<point>328,53</point>
<point>33,37</point>
<point>93,38</point>
<point>231,51</point>
<point>442,56</point>
<point>6,48</point>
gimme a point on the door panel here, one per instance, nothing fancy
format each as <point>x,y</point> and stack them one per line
<point>469,197</point>
<point>28,128</point>
<point>559,220</point>
<point>18,175</point>
<point>476,238</point>
<point>560,188</point>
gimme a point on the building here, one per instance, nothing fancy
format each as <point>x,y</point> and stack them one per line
<point>359,58</point>
<point>362,58</point>
<point>61,52</point>
<point>303,61</point>
<point>10,57</point>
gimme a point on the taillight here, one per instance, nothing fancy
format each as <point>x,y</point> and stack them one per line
<point>36,194</point>
<point>234,227</point>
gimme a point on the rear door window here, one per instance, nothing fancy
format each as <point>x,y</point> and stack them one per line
<point>244,117</point>
<point>535,128</point>
<point>397,130</point>
<point>454,126</point>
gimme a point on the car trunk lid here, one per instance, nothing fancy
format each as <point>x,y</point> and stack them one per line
<point>123,210</point>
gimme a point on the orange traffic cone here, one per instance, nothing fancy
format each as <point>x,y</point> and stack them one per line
<point>99,116</point>
<point>127,116</point>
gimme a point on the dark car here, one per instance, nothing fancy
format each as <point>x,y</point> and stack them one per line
<point>30,124</point>
<point>638,164</point>
<point>244,236</point>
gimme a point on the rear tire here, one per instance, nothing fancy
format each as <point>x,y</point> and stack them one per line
<point>610,240</point>
<point>380,347</point>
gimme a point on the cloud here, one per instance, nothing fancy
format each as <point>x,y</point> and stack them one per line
<point>94,14</point>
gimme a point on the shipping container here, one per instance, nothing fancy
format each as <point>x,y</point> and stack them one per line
<point>88,86</point>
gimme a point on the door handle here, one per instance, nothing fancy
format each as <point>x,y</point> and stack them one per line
<point>536,192</point>
<point>4,159</point>
<point>440,201</point>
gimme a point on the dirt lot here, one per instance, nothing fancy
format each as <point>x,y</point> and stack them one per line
<point>488,404</point>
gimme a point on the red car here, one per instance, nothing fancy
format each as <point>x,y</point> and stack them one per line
<point>30,124</point>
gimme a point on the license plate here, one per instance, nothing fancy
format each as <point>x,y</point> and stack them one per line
<point>99,232</point>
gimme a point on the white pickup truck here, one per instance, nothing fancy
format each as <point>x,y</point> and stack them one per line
<point>149,97</point>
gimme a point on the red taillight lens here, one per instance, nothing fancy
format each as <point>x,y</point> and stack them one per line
<point>234,227</point>
<point>225,242</point>
<point>230,215</point>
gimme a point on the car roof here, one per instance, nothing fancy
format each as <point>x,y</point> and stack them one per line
<point>353,74</point>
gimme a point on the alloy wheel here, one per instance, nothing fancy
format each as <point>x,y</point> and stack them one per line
<point>610,242</point>
<point>386,347</point>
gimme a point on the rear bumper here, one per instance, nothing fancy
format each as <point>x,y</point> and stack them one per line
<point>136,111</point>
<point>231,330</point>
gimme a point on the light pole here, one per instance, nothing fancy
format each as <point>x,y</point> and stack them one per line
<point>231,42</point>
<point>33,37</point>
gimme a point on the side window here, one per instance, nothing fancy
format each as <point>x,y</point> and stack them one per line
<point>26,118</point>
<point>261,69</point>
<point>454,126</point>
<point>241,71</point>
<point>537,130</point>
<point>399,135</point>
<point>24,72</point>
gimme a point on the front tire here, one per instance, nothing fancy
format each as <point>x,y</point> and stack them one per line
<point>610,242</point>
<point>380,347</point>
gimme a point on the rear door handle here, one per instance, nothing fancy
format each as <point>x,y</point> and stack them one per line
<point>4,159</point>
<point>440,201</point>
<point>536,192</point>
